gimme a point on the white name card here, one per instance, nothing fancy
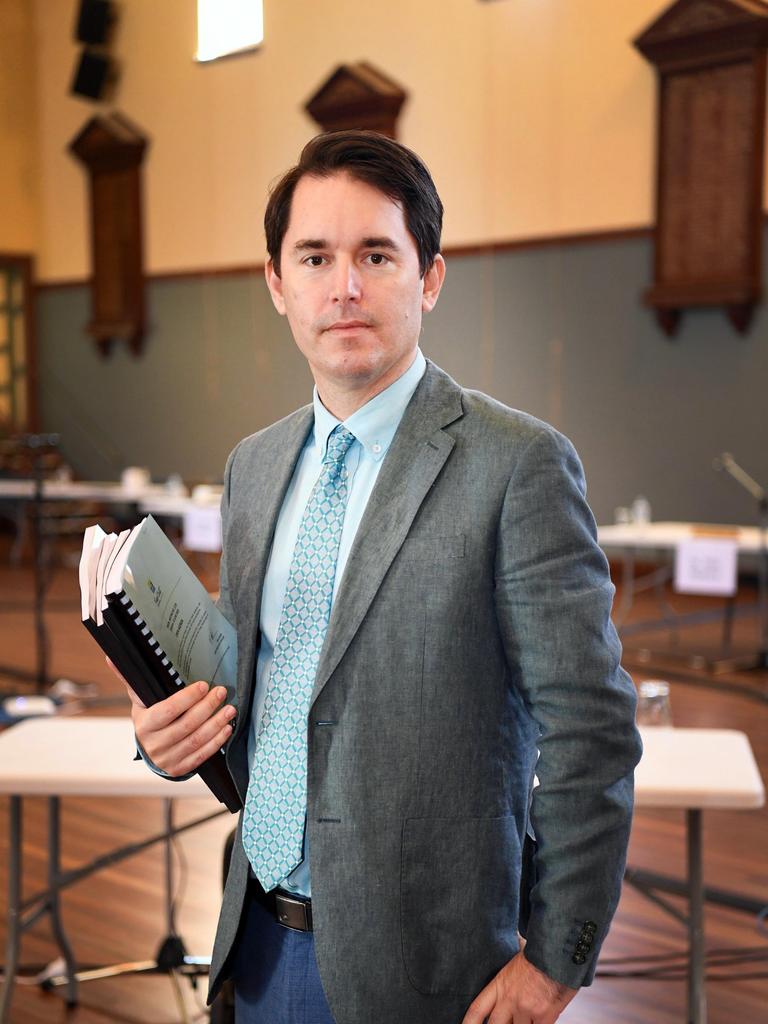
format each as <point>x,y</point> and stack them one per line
<point>202,529</point>
<point>706,565</point>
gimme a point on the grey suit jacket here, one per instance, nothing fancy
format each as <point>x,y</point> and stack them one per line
<point>471,628</point>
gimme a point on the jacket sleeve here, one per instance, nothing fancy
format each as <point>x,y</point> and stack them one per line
<point>553,596</point>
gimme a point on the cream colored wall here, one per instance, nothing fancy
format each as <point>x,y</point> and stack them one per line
<point>18,135</point>
<point>535,116</point>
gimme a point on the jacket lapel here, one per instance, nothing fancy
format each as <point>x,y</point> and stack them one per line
<point>413,462</point>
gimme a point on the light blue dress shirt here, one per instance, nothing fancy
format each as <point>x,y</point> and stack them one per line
<point>374,425</point>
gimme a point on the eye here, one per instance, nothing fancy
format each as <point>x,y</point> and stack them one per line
<point>314,260</point>
<point>378,259</point>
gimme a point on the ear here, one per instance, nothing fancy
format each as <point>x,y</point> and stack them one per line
<point>275,285</point>
<point>433,282</point>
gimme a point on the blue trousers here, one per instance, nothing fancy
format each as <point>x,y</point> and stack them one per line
<point>275,974</point>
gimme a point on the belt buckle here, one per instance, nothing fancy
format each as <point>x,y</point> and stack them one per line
<point>293,913</point>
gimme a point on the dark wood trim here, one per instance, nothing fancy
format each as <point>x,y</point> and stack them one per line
<point>65,283</point>
<point>237,270</point>
<point>758,163</point>
<point>549,241</point>
<point>473,249</point>
<point>26,263</point>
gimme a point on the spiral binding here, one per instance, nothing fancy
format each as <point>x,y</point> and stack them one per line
<point>153,644</point>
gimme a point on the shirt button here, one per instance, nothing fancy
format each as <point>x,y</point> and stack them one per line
<point>376,448</point>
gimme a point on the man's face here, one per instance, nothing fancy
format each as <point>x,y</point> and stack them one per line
<point>350,285</point>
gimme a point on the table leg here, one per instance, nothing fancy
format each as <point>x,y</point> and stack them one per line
<point>14,906</point>
<point>627,587</point>
<point>697,999</point>
<point>168,851</point>
<point>54,903</point>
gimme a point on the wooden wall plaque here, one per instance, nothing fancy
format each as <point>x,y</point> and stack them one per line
<point>710,56</point>
<point>112,150</point>
<point>357,96</point>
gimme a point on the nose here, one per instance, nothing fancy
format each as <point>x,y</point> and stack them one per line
<point>346,283</point>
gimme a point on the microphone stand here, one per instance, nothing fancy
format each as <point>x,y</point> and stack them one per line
<point>728,464</point>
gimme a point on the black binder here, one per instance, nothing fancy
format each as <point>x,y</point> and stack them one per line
<point>129,644</point>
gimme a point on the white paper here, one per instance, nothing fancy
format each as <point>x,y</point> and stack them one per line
<point>202,529</point>
<point>707,565</point>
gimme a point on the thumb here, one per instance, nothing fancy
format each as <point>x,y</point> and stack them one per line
<point>135,700</point>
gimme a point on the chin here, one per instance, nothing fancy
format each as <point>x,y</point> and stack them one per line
<point>356,357</point>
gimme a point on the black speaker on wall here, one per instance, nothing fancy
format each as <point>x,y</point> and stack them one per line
<point>94,74</point>
<point>94,21</point>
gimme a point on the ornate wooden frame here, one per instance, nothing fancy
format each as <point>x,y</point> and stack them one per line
<point>357,96</point>
<point>112,150</point>
<point>710,56</point>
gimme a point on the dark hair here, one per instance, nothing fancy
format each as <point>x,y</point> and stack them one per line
<point>376,160</point>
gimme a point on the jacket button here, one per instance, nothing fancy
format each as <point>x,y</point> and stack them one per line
<point>583,947</point>
<point>590,926</point>
<point>578,958</point>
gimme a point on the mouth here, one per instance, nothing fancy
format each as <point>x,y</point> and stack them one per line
<point>348,325</point>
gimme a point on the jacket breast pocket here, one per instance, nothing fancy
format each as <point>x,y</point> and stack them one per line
<point>459,894</point>
<point>435,549</point>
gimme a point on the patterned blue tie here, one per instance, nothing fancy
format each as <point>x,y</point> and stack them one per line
<point>276,804</point>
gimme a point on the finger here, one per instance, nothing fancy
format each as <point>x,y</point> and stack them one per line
<point>481,1006</point>
<point>166,712</point>
<point>189,720</point>
<point>183,736</point>
<point>502,1016</point>
<point>199,756</point>
<point>150,724</point>
<point>194,738</point>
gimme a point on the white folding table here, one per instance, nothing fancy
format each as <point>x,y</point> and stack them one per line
<point>636,539</point>
<point>59,757</point>
<point>693,770</point>
<point>110,491</point>
<point>690,769</point>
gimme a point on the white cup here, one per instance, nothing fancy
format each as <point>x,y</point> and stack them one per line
<point>135,478</point>
<point>653,706</point>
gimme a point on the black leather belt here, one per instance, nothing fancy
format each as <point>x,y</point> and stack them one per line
<point>289,909</point>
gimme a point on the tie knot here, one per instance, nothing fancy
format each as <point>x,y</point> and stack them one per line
<point>339,444</point>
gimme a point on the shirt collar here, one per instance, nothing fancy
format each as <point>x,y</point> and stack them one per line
<point>374,424</point>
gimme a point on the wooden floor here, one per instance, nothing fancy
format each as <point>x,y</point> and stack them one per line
<point>118,914</point>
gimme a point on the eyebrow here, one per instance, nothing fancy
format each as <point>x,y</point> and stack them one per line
<point>309,243</point>
<point>380,243</point>
<point>374,242</point>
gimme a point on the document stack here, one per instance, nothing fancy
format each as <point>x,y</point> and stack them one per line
<point>155,621</point>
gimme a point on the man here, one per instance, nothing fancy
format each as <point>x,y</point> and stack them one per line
<point>423,620</point>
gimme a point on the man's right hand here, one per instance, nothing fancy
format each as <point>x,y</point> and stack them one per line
<point>181,732</point>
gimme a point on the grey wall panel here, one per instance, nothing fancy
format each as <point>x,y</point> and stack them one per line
<point>218,363</point>
<point>560,332</point>
<point>571,342</point>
